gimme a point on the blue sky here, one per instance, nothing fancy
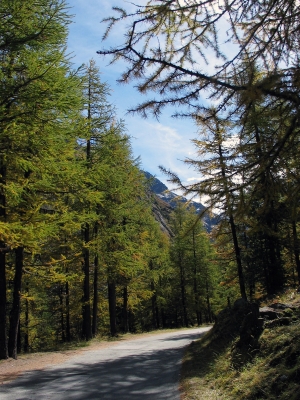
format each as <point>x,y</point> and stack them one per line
<point>165,142</point>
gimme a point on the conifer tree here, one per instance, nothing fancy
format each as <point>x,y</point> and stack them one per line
<point>179,255</point>
<point>194,260</point>
<point>99,117</point>
<point>180,68</point>
<point>121,187</point>
<point>38,91</point>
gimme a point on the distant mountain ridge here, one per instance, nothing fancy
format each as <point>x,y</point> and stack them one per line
<point>166,196</point>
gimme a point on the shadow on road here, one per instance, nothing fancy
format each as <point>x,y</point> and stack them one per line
<point>150,375</point>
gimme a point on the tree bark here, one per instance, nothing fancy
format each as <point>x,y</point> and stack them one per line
<point>125,310</point>
<point>296,250</point>
<point>86,307</point>
<point>163,318</point>
<point>62,317</point>
<point>195,285</point>
<point>15,310</point>
<point>3,251</point>
<point>155,318</point>
<point>112,307</point>
<point>232,223</point>
<point>274,264</point>
<point>19,341</point>
<point>68,328</point>
<point>208,302</point>
<point>26,336</point>
<point>95,298</point>
<point>183,294</point>
<point>3,338</point>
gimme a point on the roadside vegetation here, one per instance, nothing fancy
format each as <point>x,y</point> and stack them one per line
<point>214,369</point>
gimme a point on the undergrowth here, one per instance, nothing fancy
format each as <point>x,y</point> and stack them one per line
<point>271,372</point>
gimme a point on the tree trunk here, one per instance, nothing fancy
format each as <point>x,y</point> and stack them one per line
<point>62,317</point>
<point>19,341</point>
<point>232,224</point>
<point>26,335</point>
<point>154,309</point>
<point>195,285</point>
<point>125,310</point>
<point>3,338</point>
<point>15,310</point>
<point>274,264</point>
<point>208,302</point>
<point>157,315</point>
<point>296,250</point>
<point>86,307</point>
<point>3,251</point>
<point>68,327</point>
<point>112,307</point>
<point>238,257</point>
<point>183,295</point>
<point>95,298</point>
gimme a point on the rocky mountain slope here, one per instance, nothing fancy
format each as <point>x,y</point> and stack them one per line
<point>165,202</point>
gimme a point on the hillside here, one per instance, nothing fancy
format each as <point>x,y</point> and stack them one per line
<point>166,201</point>
<point>251,353</point>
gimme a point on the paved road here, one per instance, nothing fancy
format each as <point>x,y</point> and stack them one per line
<point>140,369</point>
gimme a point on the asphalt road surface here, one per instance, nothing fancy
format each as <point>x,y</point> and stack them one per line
<point>139,369</point>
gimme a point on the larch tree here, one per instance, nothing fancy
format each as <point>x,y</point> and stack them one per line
<point>169,43</point>
<point>119,214</point>
<point>99,116</point>
<point>38,91</point>
<point>179,255</point>
<point>194,267</point>
<point>236,55</point>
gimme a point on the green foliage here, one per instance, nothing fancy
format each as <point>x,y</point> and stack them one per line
<point>74,202</point>
<point>248,126</point>
<point>194,268</point>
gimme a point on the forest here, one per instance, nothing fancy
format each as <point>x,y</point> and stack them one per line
<point>81,253</point>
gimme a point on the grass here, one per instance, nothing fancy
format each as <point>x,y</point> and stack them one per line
<point>211,371</point>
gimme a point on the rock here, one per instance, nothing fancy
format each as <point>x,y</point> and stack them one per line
<point>248,328</point>
<point>279,306</point>
<point>268,313</point>
<point>288,312</point>
<point>251,326</point>
<point>240,304</point>
<point>261,322</point>
<point>284,321</point>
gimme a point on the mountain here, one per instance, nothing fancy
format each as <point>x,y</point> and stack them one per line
<point>165,202</point>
